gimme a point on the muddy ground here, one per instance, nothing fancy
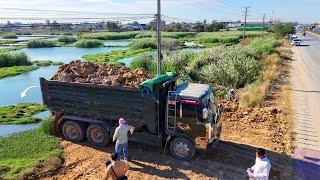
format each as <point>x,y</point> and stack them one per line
<point>244,129</point>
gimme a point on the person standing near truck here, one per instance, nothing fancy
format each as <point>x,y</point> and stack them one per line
<point>121,138</point>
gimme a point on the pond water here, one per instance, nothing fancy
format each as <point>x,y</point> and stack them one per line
<point>4,47</point>
<point>11,87</point>
<point>127,61</point>
<point>6,130</point>
<point>195,50</point>
<point>52,39</point>
<point>22,38</point>
<point>116,43</point>
<point>63,54</point>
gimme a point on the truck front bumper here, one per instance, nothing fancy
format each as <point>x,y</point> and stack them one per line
<point>211,140</point>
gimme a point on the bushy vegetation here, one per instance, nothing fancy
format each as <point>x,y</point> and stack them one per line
<point>224,37</point>
<point>88,44</point>
<point>46,63</point>
<point>46,125</point>
<point>145,35</point>
<point>282,29</point>
<point>31,152</point>
<point>15,70</point>
<point>254,94</point>
<point>136,35</point>
<point>10,36</point>
<point>10,59</point>
<point>23,33</point>
<point>52,33</point>
<point>232,69</point>
<point>263,46</point>
<point>39,43</point>
<point>232,66</point>
<point>67,39</point>
<point>166,43</point>
<point>113,56</point>
<point>144,43</point>
<point>110,35</point>
<point>67,34</point>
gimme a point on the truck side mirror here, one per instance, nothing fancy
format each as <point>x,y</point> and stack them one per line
<point>205,113</point>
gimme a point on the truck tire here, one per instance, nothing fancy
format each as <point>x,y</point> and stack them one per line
<point>73,131</point>
<point>182,149</point>
<point>98,135</point>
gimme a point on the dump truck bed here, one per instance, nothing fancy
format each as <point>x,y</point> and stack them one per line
<point>99,102</point>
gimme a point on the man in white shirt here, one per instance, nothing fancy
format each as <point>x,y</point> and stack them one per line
<point>261,168</point>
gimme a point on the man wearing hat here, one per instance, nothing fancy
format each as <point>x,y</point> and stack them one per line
<point>121,138</point>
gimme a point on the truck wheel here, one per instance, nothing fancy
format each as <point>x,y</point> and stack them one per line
<point>73,131</point>
<point>98,135</point>
<point>182,149</point>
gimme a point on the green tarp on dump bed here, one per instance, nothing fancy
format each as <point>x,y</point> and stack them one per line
<point>155,83</point>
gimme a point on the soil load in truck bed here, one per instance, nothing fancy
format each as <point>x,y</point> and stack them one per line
<point>88,72</point>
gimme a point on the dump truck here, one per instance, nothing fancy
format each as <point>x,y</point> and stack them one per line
<point>183,119</point>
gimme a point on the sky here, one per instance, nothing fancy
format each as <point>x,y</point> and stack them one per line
<point>303,11</point>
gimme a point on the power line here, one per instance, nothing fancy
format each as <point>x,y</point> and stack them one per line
<point>263,20</point>
<point>245,21</point>
<point>74,12</point>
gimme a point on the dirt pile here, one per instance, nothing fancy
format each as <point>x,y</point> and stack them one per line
<point>88,72</point>
<point>264,127</point>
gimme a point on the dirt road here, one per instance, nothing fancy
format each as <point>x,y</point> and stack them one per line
<point>229,160</point>
<point>306,100</point>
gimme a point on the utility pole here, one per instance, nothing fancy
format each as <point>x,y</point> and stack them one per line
<point>263,20</point>
<point>159,36</point>
<point>245,21</point>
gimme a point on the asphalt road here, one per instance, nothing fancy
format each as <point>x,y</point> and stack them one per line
<point>306,102</point>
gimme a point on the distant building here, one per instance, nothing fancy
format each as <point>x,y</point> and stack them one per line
<point>252,25</point>
<point>143,27</point>
<point>153,23</point>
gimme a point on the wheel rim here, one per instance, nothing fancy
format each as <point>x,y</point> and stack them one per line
<point>72,132</point>
<point>181,149</point>
<point>96,135</point>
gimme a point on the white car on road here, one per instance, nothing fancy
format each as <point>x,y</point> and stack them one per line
<point>296,42</point>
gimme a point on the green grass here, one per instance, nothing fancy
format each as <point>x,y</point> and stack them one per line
<point>31,152</point>
<point>52,33</point>
<point>15,70</point>
<point>136,35</point>
<point>263,46</point>
<point>67,39</point>
<point>110,35</point>
<point>227,37</point>
<point>21,113</point>
<point>10,36</point>
<point>166,43</point>
<point>38,43</point>
<point>89,44</point>
<point>113,56</point>
<point>13,48</point>
<point>46,63</point>
<point>67,34</point>
<point>23,33</point>
<point>4,42</point>
<point>18,59</point>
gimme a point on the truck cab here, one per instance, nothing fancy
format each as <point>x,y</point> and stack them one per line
<point>193,114</point>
